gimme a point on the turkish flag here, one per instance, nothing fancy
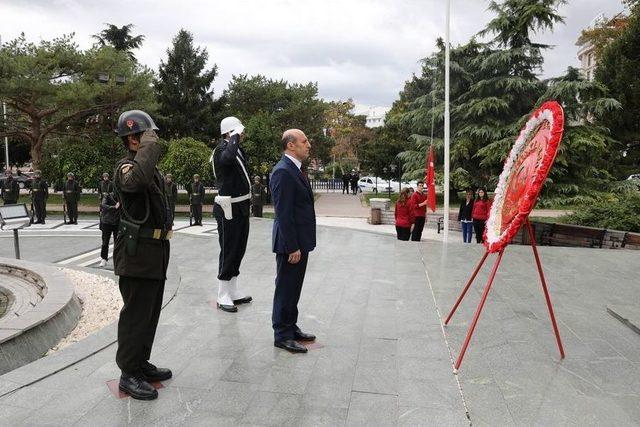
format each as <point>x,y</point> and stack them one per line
<point>430,181</point>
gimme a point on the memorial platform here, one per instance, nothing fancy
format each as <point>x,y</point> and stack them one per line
<point>382,356</point>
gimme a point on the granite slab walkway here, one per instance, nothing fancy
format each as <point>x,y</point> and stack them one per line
<point>381,358</point>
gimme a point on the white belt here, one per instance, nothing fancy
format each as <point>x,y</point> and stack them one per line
<point>241,198</point>
<point>225,203</point>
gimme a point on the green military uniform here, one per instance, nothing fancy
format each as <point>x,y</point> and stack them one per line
<point>39,196</point>
<point>197,198</point>
<point>141,252</point>
<point>72,193</point>
<point>104,186</point>
<point>10,191</point>
<point>258,193</point>
<point>171,191</point>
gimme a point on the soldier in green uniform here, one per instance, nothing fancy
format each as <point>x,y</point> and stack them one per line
<point>197,198</point>
<point>105,186</point>
<point>10,190</point>
<point>72,193</point>
<point>39,196</point>
<point>258,193</point>
<point>141,253</point>
<point>171,191</point>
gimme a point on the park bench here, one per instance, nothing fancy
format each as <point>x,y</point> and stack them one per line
<point>572,235</point>
<point>454,224</point>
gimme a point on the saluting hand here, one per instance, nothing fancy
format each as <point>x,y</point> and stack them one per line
<point>294,257</point>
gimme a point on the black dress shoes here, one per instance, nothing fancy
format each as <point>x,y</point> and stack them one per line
<point>152,374</point>
<point>244,300</point>
<point>227,308</point>
<point>291,345</point>
<point>137,387</point>
<point>301,336</point>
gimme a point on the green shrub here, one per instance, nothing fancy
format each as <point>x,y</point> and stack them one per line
<point>619,212</point>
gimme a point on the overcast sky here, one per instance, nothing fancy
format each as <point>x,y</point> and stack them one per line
<point>360,49</point>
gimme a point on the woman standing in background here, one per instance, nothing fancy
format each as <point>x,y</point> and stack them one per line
<point>480,213</point>
<point>404,215</point>
<point>465,218</point>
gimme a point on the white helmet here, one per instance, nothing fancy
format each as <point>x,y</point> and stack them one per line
<point>231,124</point>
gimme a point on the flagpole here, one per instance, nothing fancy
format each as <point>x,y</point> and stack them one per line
<point>446,124</point>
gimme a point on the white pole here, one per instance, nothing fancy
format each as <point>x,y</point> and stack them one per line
<point>6,139</point>
<point>446,124</point>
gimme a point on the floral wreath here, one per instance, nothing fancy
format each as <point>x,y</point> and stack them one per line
<point>550,112</point>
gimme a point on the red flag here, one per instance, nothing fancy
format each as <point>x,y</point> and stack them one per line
<point>430,181</point>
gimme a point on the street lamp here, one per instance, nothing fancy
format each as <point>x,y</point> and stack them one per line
<point>393,171</point>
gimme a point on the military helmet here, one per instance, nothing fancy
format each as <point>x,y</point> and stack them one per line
<point>134,121</point>
<point>37,173</point>
<point>229,124</point>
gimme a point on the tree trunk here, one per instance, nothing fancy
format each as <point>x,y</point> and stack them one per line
<point>36,139</point>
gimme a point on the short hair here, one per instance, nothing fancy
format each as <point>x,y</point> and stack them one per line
<point>286,139</point>
<point>420,182</point>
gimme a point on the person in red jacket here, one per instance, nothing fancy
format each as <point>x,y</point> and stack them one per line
<point>419,204</point>
<point>404,215</point>
<point>480,213</point>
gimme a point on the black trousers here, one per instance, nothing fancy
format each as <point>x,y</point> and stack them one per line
<point>40,210</point>
<point>107,231</point>
<point>197,213</point>
<point>138,321</point>
<point>72,211</point>
<point>403,232</point>
<point>418,226</point>
<point>478,227</point>
<point>289,279</point>
<point>257,210</point>
<point>232,237</point>
<point>345,187</point>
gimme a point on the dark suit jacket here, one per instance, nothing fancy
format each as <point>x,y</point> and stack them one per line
<point>295,222</point>
<point>230,164</point>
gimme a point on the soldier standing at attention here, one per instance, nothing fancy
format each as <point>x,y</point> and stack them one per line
<point>171,191</point>
<point>105,186</point>
<point>197,198</point>
<point>10,189</point>
<point>231,210</point>
<point>258,193</point>
<point>39,196</point>
<point>72,193</point>
<point>141,253</point>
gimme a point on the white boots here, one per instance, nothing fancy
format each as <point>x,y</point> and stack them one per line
<point>225,302</point>
<point>229,295</point>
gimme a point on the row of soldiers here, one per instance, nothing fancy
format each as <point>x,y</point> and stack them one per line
<point>39,192</point>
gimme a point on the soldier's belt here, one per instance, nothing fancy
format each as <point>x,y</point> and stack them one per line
<point>241,198</point>
<point>155,233</point>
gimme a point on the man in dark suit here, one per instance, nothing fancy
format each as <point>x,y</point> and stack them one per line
<point>293,237</point>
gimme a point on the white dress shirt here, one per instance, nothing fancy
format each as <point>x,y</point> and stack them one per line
<point>295,161</point>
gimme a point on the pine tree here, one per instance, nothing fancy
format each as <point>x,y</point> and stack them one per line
<point>183,91</point>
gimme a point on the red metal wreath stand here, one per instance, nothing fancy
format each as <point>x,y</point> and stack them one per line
<point>488,287</point>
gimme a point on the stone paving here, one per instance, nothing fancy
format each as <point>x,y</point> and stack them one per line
<point>381,357</point>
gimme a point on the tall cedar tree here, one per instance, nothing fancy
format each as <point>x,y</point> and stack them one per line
<point>184,92</point>
<point>618,71</point>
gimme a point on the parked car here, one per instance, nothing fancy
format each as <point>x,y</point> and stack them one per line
<point>634,177</point>
<point>367,184</point>
<point>23,180</point>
